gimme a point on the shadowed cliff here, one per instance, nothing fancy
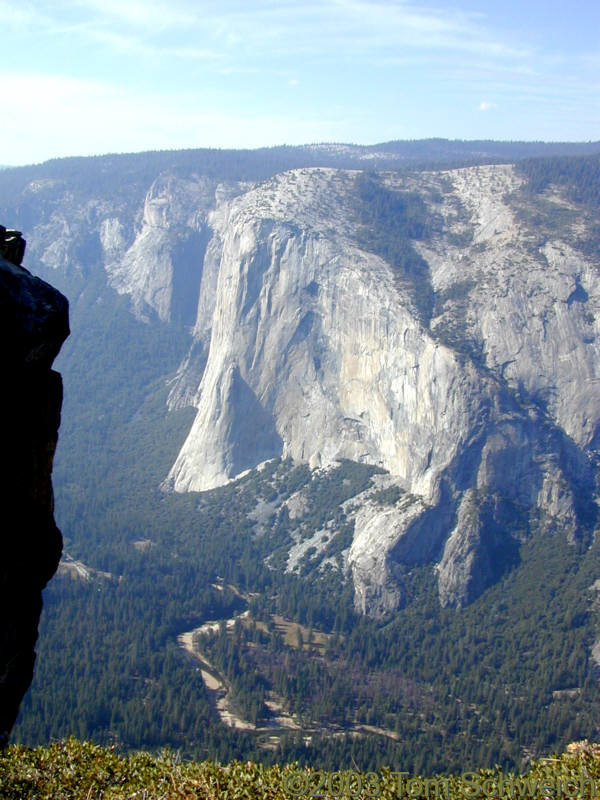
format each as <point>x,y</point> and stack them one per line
<point>33,326</point>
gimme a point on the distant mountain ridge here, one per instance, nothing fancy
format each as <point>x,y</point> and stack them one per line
<point>266,161</point>
<point>438,148</point>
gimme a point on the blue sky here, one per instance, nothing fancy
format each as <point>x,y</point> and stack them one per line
<point>83,77</point>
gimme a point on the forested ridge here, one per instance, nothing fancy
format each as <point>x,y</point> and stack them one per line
<point>579,176</point>
<point>127,174</point>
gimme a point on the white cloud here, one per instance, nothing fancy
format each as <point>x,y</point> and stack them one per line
<point>154,14</point>
<point>22,17</point>
<point>485,105</point>
<point>135,46</point>
<point>357,27</point>
<point>253,33</point>
<point>325,28</point>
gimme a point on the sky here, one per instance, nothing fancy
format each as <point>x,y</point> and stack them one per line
<point>85,77</point>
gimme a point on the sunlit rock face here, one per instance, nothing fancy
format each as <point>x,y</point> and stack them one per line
<point>314,330</point>
<point>315,352</point>
<point>33,326</point>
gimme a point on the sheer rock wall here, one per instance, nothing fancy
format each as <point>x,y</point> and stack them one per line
<point>33,326</point>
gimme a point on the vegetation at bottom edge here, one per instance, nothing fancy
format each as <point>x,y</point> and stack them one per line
<point>78,770</point>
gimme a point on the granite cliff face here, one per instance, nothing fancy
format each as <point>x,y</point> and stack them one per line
<point>302,344</point>
<point>486,417</point>
<point>33,326</point>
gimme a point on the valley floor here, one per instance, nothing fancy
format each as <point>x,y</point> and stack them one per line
<point>279,718</point>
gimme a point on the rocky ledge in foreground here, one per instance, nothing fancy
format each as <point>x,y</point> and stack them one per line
<point>34,323</point>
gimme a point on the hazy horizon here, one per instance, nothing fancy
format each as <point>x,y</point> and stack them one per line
<point>86,77</point>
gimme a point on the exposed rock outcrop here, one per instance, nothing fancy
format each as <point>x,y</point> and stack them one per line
<point>33,326</point>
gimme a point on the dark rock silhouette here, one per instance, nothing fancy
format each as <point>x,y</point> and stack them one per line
<point>33,326</point>
<point>12,245</point>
